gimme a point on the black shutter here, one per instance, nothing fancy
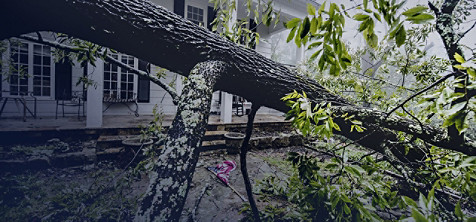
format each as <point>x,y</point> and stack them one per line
<point>63,80</point>
<point>253,28</point>
<point>253,25</point>
<point>211,15</point>
<point>179,7</point>
<point>143,90</point>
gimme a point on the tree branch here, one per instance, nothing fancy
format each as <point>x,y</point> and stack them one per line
<point>466,32</point>
<point>244,170</point>
<point>442,79</point>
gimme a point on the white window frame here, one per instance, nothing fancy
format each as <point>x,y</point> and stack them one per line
<point>118,77</point>
<point>204,10</point>
<point>6,84</point>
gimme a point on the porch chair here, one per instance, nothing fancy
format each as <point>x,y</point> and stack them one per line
<point>76,100</point>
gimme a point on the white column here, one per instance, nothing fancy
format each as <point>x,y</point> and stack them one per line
<point>226,107</point>
<point>299,54</point>
<point>178,84</point>
<point>94,95</point>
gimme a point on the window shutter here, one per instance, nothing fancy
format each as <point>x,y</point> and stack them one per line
<point>253,28</point>
<point>211,15</point>
<point>143,89</point>
<point>63,80</point>
<point>179,7</point>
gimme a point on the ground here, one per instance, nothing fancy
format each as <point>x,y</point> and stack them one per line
<point>105,191</point>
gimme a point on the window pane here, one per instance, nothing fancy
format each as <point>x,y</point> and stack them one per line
<point>24,89</point>
<point>46,91</point>
<point>46,71</point>
<point>36,70</point>
<point>13,90</point>
<point>36,81</point>
<point>37,91</point>
<point>14,57</point>
<point>46,60</point>
<point>24,58</point>
<point>46,81</point>
<point>23,81</point>
<point>37,50</point>
<point>46,50</point>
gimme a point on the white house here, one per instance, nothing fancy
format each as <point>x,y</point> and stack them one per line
<point>50,81</point>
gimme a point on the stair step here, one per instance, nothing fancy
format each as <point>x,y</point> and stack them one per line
<point>108,141</point>
<point>214,135</point>
<point>212,145</point>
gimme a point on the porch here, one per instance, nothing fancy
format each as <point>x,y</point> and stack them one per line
<point>14,129</point>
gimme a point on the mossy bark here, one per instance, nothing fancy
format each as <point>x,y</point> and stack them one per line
<point>173,170</point>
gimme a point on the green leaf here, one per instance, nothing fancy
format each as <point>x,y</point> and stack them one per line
<point>291,34</point>
<point>409,201</point>
<point>458,211</point>
<point>292,23</point>
<point>400,36</point>
<point>311,10</point>
<point>420,19</point>
<point>366,3</point>
<point>455,108</point>
<point>377,16</point>
<point>306,26</point>
<point>315,54</point>
<point>360,17</point>
<point>472,73</point>
<point>314,44</point>
<point>418,216</point>
<point>459,58</point>
<point>321,9</point>
<point>372,40</point>
<point>314,25</point>
<point>414,11</point>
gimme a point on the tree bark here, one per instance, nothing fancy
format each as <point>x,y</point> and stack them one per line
<point>173,171</point>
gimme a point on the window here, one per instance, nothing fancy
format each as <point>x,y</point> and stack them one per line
<point>19,76</point>
<point>31,69</point>
<point>127,79</point>
<point>118,82</point>
<point>195,14</point>
<point>41,70</point>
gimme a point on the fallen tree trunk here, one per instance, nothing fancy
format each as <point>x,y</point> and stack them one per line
<point>152,33</point>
